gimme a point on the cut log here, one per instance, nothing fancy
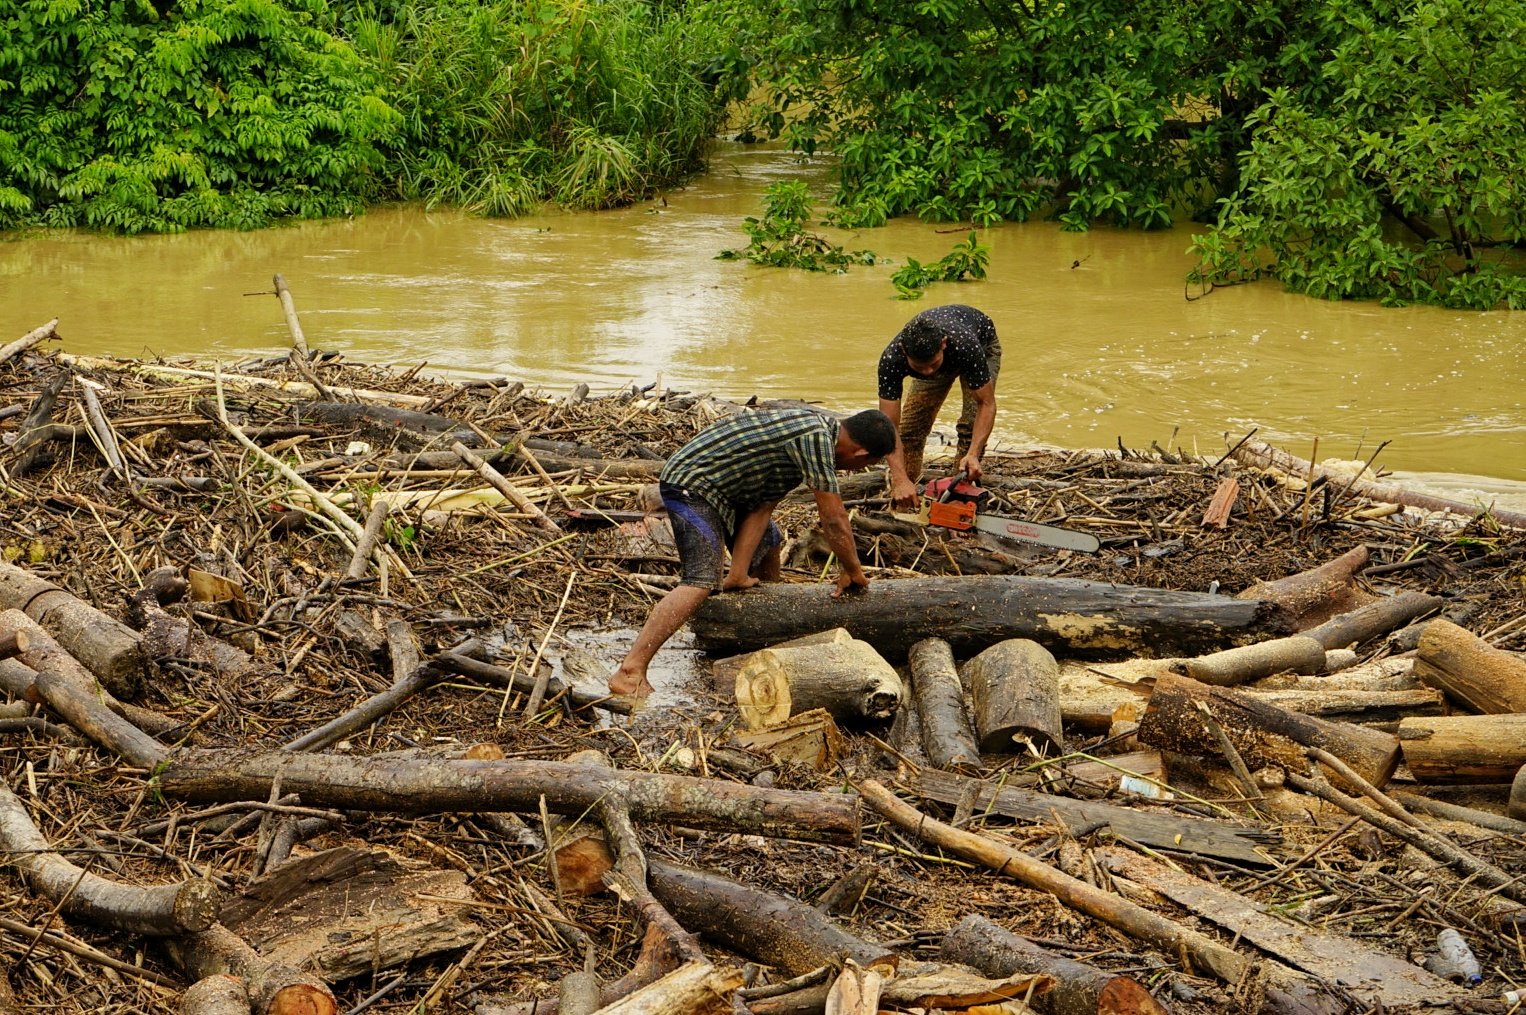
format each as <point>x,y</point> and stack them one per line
<point>849,679</point>
<point>273,989</point>
<point>1339,705</point>
<point>1391,673</point>
<point>159,910</point>
<point>1313,597</point>
<point>1517,806</point>
<point>82,707</point>
<point>1464,748</point>
<point>1090,695</point>
<point>811,738</point>
<point>1373,620</point>
<point>1263,733</point>
<point>723,672</point>
<point>1471,672</point>
<point>1015,693</point>
<point>415,786</point>
<point>1080,618</point>
<point>167,637</point>
<point>695,988</point>
<point>1235,666</point>
<point>105,646</point>
<point>946,734</point>
<point>1080,988</point>
<point>218,994</point>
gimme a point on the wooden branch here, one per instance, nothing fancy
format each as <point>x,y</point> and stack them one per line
<point>495,479</point>
<point>369,711</point>
<point>697,988</point>
<point>1367,622</point>
<point>369,534</point>
<point>576,698</point>
<point>289,308</point>
<point>31,435</point>
<point>246,381</point>
<point>107,647</point>
<point>1224,499</point>
<point>1517,806</point>
<point>25,342</point>
<point>273,989</point>
<point>1234,666</point>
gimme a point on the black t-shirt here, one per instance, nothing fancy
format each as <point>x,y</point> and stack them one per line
<point>970,334</point>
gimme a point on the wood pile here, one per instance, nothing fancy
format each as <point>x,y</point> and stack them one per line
<point>304,713</point>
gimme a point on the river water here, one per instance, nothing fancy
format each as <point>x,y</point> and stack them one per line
<point>1101,343</point>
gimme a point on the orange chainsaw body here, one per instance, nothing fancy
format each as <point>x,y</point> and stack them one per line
<point>951,514</point>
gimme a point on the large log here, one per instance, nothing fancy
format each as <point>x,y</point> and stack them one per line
<point>1464,748</point>
<point>723,672</point>
<point>1070,616</point>
<point>1341,705</point>
<point>1367,622</point>
<point>1015,692</point>
<point>1080,988</point>
<point>106,646</point>
<point>946,734</point>
<point>425,786</point>
<point>157,910</point>
<point>1469,670</point>
<point>1314,596</point>
<point>20,680</point>
<point>1263,733</point>
<point>847,678</point>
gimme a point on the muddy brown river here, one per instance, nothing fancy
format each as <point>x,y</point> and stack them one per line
<point>1101,343</point>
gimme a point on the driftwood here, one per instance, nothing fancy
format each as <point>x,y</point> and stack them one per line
<point>1234,666</point>
<point>1080,988</point>
<point>424,786</point>
<point>20,681</point>
<point>847,678</point>
<point>1015,694</point>
<point>1454,812</point>
<point>34,433</point>
<point>1263,733</point>
<point>40,334</point>
<point>167,637</point>
<point>1314,596</point>
<point>160,910</point>
<point>1081,618</point>
<point>107,647</point>
<point>946,734</point>
<point>373,709</point>
<point>1469,670</point>
<point>1464,748</point>
<point>576,698</point>
<point>1225,497</point>
<point>273,989</point>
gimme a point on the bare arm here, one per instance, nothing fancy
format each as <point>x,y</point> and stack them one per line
<point>749,534</point>
<point>980,429</point>
<point>839,532</point>
<point>903,490</point>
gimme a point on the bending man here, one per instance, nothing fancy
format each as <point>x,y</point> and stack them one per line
<point>934,347</point>
<point>720,490</point>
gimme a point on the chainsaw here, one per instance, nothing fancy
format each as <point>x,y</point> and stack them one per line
<point>953,503</point>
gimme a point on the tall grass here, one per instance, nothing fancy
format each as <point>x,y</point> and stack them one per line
<point>510,103</point>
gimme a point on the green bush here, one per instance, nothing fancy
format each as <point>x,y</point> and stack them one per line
<point>780,238</point>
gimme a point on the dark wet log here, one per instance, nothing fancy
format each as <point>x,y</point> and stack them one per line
<point>764,926</point>
<point>1469,670</point>
<point>159,910</point>
<point>1235,666</point>
<point>1517,806</point>
<point>1015,694</point>
<point>1078,618</point>
<point>167,637</point>
<point>426,786</point>
<point>218,994</point>
<point>946,733</point>
<point>1464,748</point>
<point>273,989</point>
<point>107,647</point>
<point>1080,988</point>
<point>1313,597</point>
<point>848,679</point>
<point>1373,620</point>
<point>1263,733</point>
<point>32,435</point>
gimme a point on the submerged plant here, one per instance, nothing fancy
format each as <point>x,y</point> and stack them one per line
<point>968,258</point>
<point>780,238</point>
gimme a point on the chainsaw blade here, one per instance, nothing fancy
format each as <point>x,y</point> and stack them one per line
<point>1035,532</point>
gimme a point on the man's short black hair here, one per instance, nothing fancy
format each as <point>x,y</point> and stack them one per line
<point>872,431</point>
<point>921,338</point>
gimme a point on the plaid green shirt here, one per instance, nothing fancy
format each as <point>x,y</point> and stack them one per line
<point>756,457</point>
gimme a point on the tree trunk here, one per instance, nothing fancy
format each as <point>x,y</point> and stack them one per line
<point>848,679</point>
<point>273,989</point>
<point>1015,691</point>
<point>1263,733</point>
<point>696,988</point>
<point>1080,988</point>
<point>946,734</point>
<point>415,786</point>
<point>1374,619</point>
<point>1079,618</point>
<point>1234,666</point>
<point>160,910</point>
<point>1472,672</point>
<point>1313,597</point>
<point>105,646</point>
<point>1464,748</point>
<point>218,994</point>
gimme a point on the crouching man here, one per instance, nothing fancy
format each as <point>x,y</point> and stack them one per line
<point>721,489</point>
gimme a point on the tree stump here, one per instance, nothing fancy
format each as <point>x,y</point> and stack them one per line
<point>848,679</point>
<point>1015,690</point>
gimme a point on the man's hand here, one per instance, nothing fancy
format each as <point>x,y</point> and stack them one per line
<point>854,582</point>
<point>732,583</point>
<point>903,494</point>
<point>970,466</point>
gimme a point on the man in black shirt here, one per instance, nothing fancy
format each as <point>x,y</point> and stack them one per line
<point>936,346</point>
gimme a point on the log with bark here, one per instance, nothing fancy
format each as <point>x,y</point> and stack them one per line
<point>1262,733</point>
<point>847,678</point>
<point>1235,666</point>
<point>1015,695</point>
<point>218,994</point>
<point>1472,673</point>
<point>1080,618</point>
<point>723,672</point>
<point>1341,705</point>
<point>1516,808</point>
<point>273,988</point>
<point>1464,748</point>
<point>1373,620</point>
<point>424,786</point>
<point>159,910</point>
<point>947,736</point>
<point>1314,596</point>
<point>106,647</point>
<point>167,637</point>
<point>33,435</point>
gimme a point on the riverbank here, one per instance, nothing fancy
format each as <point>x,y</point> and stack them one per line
<point>234,514</point>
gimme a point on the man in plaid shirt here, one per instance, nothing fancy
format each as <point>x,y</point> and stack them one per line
<point>721,489</point>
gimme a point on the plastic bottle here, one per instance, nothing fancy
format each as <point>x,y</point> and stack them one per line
<point>1454,959</point>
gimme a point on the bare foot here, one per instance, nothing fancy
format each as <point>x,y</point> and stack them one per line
<point>630,684</point>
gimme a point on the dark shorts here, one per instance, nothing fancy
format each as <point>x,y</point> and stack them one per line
<point>698,531</point>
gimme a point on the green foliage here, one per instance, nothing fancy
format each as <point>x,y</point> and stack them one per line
<point>780,238</point>
<point>967,258</point>
<point>219,112</point>
<point>1410,186</point>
